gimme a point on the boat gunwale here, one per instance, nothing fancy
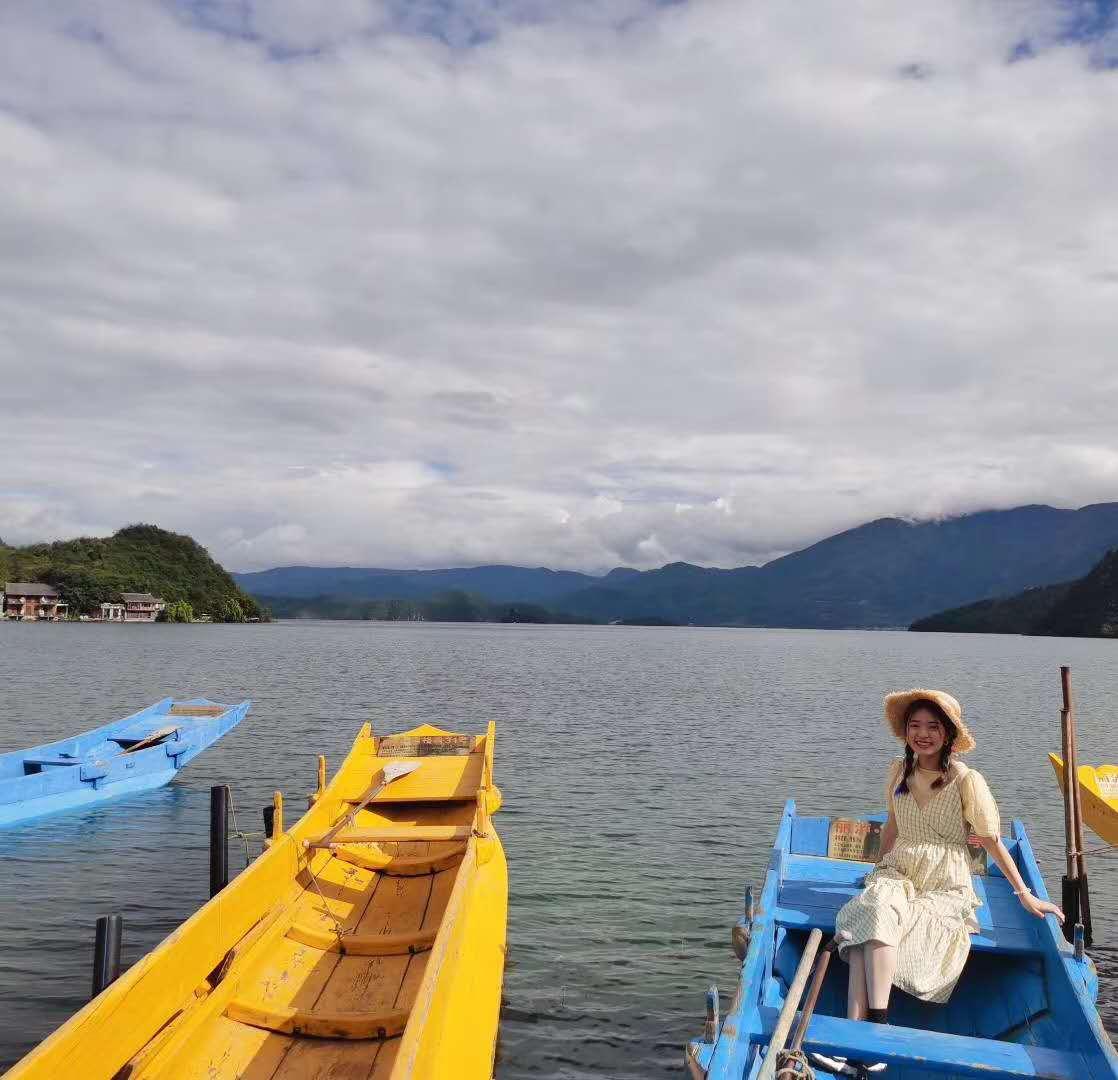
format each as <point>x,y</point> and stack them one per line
<point>734,1053</point>
<point>196,1001</point>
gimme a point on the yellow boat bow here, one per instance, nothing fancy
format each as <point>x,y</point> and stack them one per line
<point>1098,791</point>
<point>366,942</point>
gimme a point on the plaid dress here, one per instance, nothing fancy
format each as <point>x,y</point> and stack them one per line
<point>919,896</point>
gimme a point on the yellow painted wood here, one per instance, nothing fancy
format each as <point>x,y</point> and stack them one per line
<point>171,1017</point>
<point>438,779</point>
<point>397,833</point>
<point>404,866</point>
<point>362,944</point>
<point>315,1023</point>
<point>1098,790</point>
<point>277,824</point>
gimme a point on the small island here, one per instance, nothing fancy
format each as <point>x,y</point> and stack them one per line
<point>139,574</point>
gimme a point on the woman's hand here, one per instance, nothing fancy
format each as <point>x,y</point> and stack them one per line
<point>1035,906</point>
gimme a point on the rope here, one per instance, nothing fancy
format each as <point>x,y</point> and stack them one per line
<point>243,836</point>
<point>1106,849</point>
<point>793,1065</point>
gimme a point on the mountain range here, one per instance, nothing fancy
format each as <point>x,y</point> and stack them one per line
<point>1087,607</point>
<point>886,573</point>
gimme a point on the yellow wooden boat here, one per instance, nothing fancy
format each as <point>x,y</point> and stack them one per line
<point>366,942</point>
<point>1098,790</point>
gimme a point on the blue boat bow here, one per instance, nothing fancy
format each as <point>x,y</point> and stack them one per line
<point>137,753</point>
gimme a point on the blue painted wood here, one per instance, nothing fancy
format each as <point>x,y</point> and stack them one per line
<point>1024,1006</point>
<point>90,768</point>
<point>809,835</point>
<point>934,1052</point>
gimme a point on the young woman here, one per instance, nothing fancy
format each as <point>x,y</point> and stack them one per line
<point>911,925</point>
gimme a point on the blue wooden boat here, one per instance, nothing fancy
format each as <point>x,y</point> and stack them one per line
<point>140,752</point>
<point>1024,1007</point>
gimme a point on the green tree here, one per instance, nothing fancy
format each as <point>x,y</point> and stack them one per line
<point>177,611</point>
<point>231,611</point>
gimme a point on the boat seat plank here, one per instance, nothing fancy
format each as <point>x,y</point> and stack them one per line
<point>53,761</point>
<point>402,865</point>
<point>390,834</point>
<point>318,1023</point>
<point>438,779</point>
<point>998,939</point>
<point>288,975</point>
<point>362,944</point>
<point>937,1052</point>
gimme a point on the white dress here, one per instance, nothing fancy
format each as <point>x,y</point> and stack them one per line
<point>919,896</point>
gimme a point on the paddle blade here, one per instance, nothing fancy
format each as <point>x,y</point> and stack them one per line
<point>398,769</point>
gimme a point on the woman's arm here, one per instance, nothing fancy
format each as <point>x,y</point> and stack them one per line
<point>888,835</point>
<point>1032,904</point>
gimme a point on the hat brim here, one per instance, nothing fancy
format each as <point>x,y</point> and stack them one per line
<point>897,703</point>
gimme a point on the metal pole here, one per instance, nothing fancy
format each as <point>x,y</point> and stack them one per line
<point>106,952</point>
<point>219,838</point>
<point>1071,768</point>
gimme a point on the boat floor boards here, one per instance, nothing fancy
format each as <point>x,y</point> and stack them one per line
<point>325,983</point>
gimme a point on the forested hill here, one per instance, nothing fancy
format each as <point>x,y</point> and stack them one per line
<point>1087,607</point>
<point>139,558</point>
<point>886,573</point>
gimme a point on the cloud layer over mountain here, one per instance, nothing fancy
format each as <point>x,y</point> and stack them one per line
<point>579,284</point>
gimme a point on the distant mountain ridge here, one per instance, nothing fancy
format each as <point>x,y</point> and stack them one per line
<point>1087,607</point>
<point>499,583</point>
<point>885,573</point>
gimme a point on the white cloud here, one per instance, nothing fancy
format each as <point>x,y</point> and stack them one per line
<point>579,285</point>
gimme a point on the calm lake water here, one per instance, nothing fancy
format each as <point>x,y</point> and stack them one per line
<point>643,770</point>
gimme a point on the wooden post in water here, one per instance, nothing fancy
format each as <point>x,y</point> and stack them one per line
<point>219,838</point>
<point>106,951</point>
<point>1071,774</point>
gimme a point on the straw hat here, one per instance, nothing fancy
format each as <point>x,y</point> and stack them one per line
<point>895,705</point>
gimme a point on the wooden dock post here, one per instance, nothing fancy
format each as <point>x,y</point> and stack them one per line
<point>219,838</point>
<point>106,951</point>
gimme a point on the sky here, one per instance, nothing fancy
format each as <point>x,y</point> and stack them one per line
<point>423,283</point>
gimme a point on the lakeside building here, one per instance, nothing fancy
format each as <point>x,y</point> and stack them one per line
<point>139,607</point>
<point>32,601</point>
<point>112,612</point>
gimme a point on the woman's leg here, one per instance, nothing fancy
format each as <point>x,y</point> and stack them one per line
<point>880,967</point>
<point>856,1000</point>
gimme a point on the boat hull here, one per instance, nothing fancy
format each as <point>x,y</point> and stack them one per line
<point>1024,1006</point>
<point>329,955</point>
<point>1098,791</point>
<point>112,760</point>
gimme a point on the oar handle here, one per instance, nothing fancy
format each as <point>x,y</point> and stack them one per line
<point>791,1004</point>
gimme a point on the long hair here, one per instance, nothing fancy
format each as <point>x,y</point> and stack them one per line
<point>950,731</point>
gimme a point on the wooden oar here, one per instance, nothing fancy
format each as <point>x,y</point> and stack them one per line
<point>821,965</point>
<point>791,1004</point>
<point>388,774</point>
<point>151,740</point>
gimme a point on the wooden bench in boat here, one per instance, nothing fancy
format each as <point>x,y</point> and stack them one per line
<point>932,1051</point>
<point>393,834</point>
<point>814,889</point>
<point>441,779</point>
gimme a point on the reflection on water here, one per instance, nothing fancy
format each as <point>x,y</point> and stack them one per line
<point>643,771</point>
